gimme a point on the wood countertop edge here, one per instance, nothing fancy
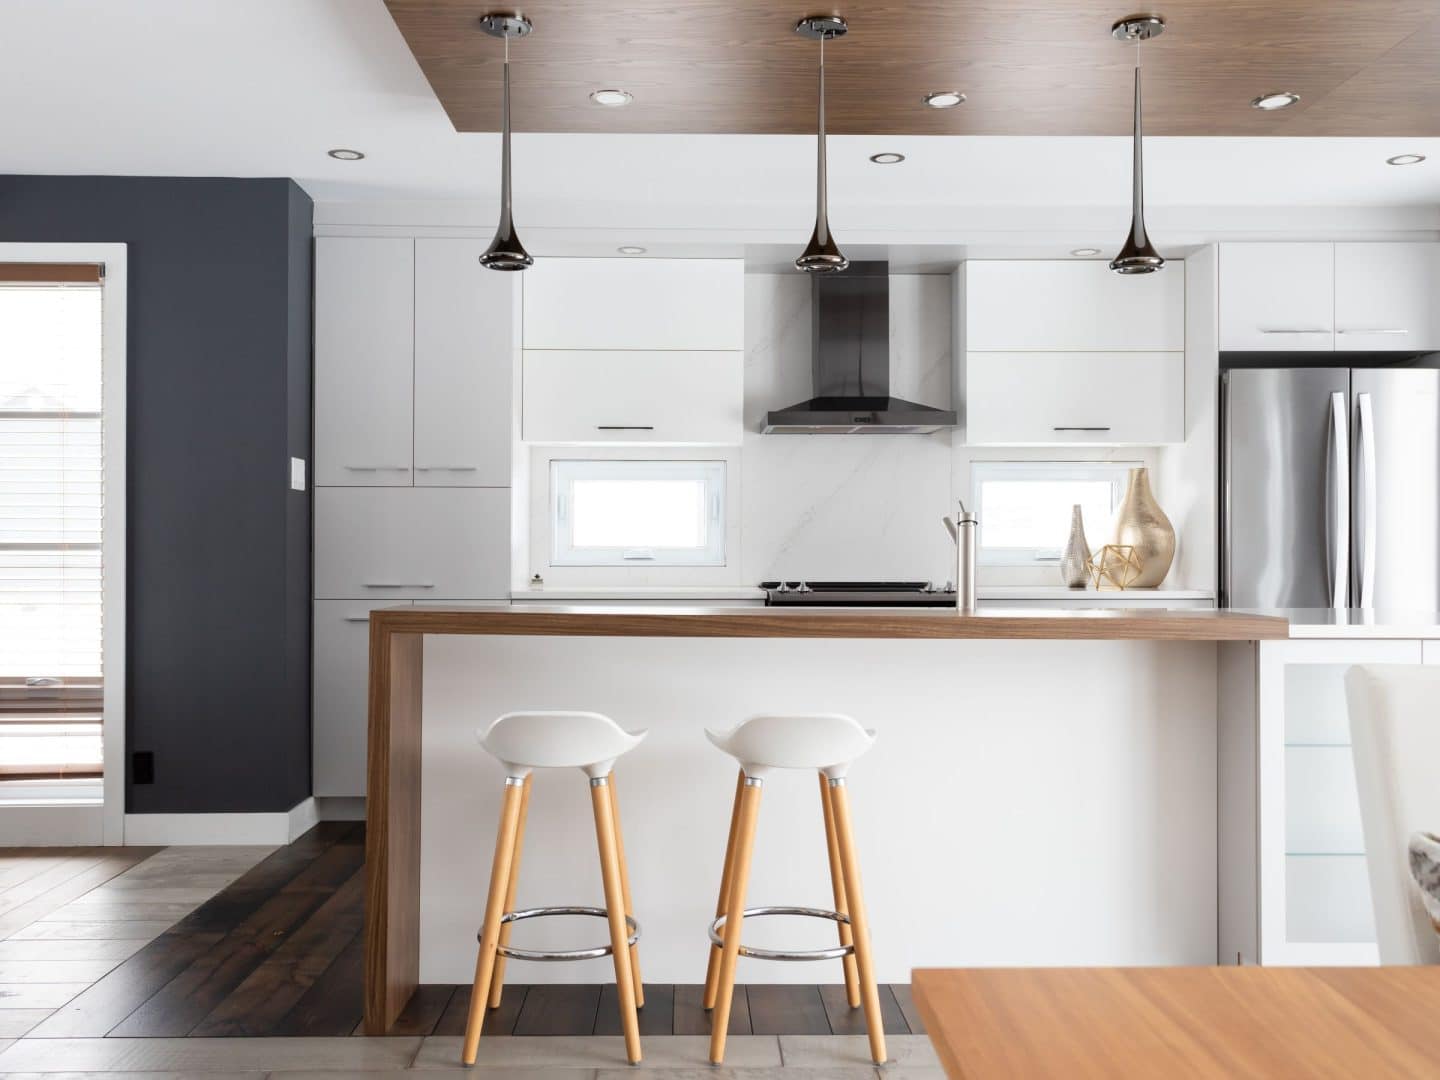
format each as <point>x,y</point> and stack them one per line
<point>1099,625</point>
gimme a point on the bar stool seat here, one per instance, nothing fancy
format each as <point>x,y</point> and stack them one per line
<point>826,743</point>
<point>556,739</point>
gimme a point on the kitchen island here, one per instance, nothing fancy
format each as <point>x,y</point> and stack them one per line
<point>1043,788</point>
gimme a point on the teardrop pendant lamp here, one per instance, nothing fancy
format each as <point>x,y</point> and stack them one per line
<point>1137,256</point>
<point>505,251</point>
<point>821,256</point>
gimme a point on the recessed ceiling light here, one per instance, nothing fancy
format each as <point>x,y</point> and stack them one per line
<point>1271,102</point>
<point>944,99</point>
<point>888,158</point>
<point>1405,159</point>
<point>630,249</point>
<point>341,154</point>
<point>1084,253</point>
<point>612,98</point>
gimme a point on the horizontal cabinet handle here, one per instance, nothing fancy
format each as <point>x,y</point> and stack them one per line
<point>1082,429</point>
<point>1373,330</point>
<point>624,427</point>
<point>398,585</point>
<point>1294,330</point>
<point>357,618</point>
<point>377,468</point>
<point>447,468</point>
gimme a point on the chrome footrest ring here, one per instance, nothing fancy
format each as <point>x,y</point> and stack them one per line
<point>786,954</point>
<point>514,953</point>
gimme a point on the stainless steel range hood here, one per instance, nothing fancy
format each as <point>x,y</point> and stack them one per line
<point>851,364</point>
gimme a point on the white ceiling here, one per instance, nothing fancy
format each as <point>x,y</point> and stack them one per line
<point>265,87</point>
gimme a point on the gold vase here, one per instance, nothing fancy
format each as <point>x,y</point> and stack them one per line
<point>1141,524</point>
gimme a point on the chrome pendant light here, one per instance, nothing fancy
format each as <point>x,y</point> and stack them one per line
<point>821,256</point>
<point>1137,256</point>
<point>505,251</point>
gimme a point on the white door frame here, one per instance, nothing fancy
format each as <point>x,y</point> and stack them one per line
<point>114,311</point>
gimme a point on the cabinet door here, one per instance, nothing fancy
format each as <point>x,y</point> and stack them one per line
<point>364,360</point>
<point>412,543</point>
<point>340,689</point>
<point>663,397</point>
<point>1277,297</point>
<point>1314,888</point>
<point>465,322</point>
<point>635,304</point>
<point>1046,304</point>
<point>1055,399</point>
<point>1385,297</point>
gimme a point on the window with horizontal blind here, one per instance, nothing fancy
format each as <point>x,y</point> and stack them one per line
<point>51,499</point>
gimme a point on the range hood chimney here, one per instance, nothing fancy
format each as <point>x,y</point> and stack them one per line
<point>851,364</point>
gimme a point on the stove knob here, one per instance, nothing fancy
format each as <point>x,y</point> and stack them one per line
<point>928,587</point>
<point>949,586</point>
<point>783,587</point>
<point>803,588</point>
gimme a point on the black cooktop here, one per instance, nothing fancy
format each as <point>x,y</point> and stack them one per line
<point>858,593</point>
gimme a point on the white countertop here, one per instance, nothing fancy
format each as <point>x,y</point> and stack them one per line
<point>1357,622</point>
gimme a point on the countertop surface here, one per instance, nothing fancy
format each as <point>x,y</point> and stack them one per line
<point>1356,622</point>
<point>729,621</point>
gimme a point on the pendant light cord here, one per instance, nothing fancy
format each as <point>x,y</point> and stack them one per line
<point>822,217</point>
<point>505,217</point>
<point>1137,164</point>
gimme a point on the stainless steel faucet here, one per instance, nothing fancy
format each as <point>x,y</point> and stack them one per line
<point>962,531</point>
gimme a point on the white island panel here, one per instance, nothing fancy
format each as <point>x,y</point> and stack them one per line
<point>1028,802</point>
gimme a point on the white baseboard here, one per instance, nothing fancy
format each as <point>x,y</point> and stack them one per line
<point>341,807</point>
<point>55,824</point>
<point>277,828</point>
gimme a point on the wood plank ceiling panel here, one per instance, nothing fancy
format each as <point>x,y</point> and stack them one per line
<point>1027,67</point>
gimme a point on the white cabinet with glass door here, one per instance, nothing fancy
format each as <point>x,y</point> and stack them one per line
<point>1293,882</point>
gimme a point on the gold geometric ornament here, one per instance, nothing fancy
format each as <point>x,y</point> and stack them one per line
<point>1115,566</point>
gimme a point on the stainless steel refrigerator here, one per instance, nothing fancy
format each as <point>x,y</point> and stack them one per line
<point>1330,488</point>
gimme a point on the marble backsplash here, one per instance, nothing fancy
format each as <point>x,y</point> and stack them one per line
<point>845,506</point>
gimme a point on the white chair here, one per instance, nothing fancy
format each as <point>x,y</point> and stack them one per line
<point>825,744</point>
<point>1395,736</point>
<point>525,741</point>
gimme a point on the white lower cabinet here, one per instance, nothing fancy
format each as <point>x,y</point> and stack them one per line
<point>342,661</point>
<point>1293,882</point>
<point>595,396</point>
<point>1061,398</point>
<point>412,543</point>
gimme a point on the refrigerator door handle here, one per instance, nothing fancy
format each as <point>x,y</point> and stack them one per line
<point>1337,502</point>
<point>1365,432</point>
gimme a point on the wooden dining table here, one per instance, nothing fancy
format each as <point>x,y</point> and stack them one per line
<point>1198,1022</point>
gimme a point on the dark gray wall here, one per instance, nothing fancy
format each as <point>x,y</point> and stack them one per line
<point>218,624</point>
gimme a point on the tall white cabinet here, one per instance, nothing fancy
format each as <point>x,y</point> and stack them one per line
<point>415,350</point>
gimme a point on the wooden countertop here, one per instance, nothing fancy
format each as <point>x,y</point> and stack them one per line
<point>1215,1022</point>
<point>599,620</point>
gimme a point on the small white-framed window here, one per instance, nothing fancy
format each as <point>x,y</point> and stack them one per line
<point>637,513</point>
<point>1024,506</point>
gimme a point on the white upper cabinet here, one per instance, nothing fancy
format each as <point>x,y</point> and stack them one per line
<point>1048,305</point>
<point>465,320</point>
<point>590,396</point>
<point>1386,297</point>
<point>364,360</point>
<point>1060,398</point>
<point>685,304</point>
<point>1277,297</point>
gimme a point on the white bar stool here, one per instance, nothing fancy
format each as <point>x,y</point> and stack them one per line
<point>827,743</point>
<point>591,742</point>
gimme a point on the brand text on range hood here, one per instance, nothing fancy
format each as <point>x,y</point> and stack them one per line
<point>851,364</point>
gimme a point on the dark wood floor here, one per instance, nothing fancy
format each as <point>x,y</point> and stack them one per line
<point>279,952</point>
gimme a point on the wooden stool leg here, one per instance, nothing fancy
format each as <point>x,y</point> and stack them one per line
<point>735,915</point>
<point>625,891</point>
<point>837,888</point>
<point>494,909</point>
<point>615,908</point>
<point>497,979</point>
<point>859,924</point>
<point>712,970</point>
